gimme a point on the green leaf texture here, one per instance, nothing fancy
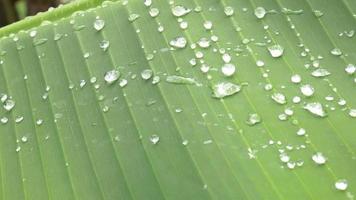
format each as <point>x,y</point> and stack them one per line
<point>159,131</point>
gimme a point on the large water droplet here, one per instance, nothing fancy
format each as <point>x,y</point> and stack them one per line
<point>224,89</point>
<point>276,50</point>
<point>316,108</point>
<point>260,12</point>
<point>111,76</point>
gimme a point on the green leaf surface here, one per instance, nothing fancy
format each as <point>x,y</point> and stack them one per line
<point>73,135</point>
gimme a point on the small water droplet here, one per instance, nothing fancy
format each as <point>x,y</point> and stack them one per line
<point>104,45</point>
<point>180,80</point>
<point>154,139</point>
<point>253,119</point>
<point>147,3</point>
<point>111,76</point>
<point>178,42</point>
<point>276,50</point>
<point>146,74</point>
<point>318,13</point>
<point>208,25</point>
<point>341,184</point>
<point>260,63</point>
<point>279,98</point>
<point>9,104</point>
<point>319,158</point>
<point>4,120</point>
<point>224,89</point>
<point>154,12</point>
<point>99,24</point>
<point>352,113</point>
<point>185,142</point>
<point>229,11</point>
<point>301,132</point>
<point>24,139</point>
<point>288,11</point>
<point>204,43</point>
<point>260,12</point>
<point>336,52</point>
<point>228,69</point>
<point>296,78</point>
<point>133,17</point>
<point>350,69</point>
<point>284,157</point>
<point>123,83</point>
<point>307,90</point>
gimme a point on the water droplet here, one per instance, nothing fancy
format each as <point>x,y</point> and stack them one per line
<point>279,98</point>
<point>321,72</point>
<point>156,79</point>
<point>185,142</point>
<point>291,164</point>
<point>318,13</point>
<point>147,3</point>
<point>352,113</point>
<point>301,132</point>
<point>9,104</point>
<point>260,12</point>
<point>228,69</point>
<point>104,45</point>
<point>350,69</point>
<point>226,58</point>
<point>19,119</point>
<point>33,33</point>
<point>99,24</point>
<point>123,83</point>
<point>154,139</point>
<point>39,122</point>
<point>229,11</point>
<point>341,184</point>
<point>4,120</point>
<point>180,11</point>
<point>336,52</point>
<point>296,78</point>
<point>224,89</point>
<point>260,63</point>
<point>82,83</point>
<point>24,139</point>
<point>253,119</point>
<point>154,12</point>
<point>307,90</point>
<point>180,80</point>
<point>288,11</point>
<point>284,157</point>
<point>316,109</point>
<point>204,42</point>
<point>208,25</point>
<point>146,74</point>
<point>179,42</point>
<point>111,76</point>
<point>133,17</point>
<point>319,158</point>
<point>276,50</point>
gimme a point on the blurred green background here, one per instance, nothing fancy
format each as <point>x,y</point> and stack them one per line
<point>14,10</point>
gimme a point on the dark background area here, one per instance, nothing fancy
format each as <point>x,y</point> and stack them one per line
<point>14,10</point>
